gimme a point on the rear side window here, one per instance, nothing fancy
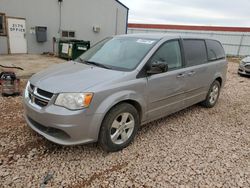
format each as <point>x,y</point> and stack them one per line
<point>195,52</point>
<point>214,50</point>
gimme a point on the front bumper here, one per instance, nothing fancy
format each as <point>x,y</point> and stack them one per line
<point>243,71</point>
<point>61,125</point>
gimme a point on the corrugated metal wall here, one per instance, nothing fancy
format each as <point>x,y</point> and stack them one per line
<point>234,43</point>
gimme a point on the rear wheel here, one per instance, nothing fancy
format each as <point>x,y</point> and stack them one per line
<point>213,95</point>
<point>119,127</point>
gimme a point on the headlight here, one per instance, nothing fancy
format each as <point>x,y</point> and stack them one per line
<point>74,101</point>
<point>26,91</point>
<point>243,63</point>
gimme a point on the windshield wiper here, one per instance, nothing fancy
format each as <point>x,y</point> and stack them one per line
<point>95,63</point>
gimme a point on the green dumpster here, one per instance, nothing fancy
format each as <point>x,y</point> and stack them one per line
<point>72,49</point>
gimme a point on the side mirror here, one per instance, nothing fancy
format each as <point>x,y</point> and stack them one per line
<point>157,67</point>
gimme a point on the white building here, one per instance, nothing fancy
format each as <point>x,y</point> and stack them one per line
<point>235,40</point>
<point>30,26</point>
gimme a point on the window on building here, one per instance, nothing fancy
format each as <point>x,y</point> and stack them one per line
<point>2,24</point>
<point>68,34</point>
<point>65,34</point>
<point>72,34</point>
<point>215,50</point>
<point>195,51</point>
<point>169,53</point>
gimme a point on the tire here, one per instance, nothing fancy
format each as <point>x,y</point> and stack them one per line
<point>244,75</point>
<point>120,120</point>
<point>213,95</point>
<point>240,74</point>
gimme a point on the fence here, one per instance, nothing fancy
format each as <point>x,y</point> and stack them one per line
<point>234,43</point>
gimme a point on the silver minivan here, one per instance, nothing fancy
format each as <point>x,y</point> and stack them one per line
<point>121,83</point>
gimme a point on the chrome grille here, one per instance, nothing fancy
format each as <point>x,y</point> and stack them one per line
<point>44,93</point>
<point>38,96</point>
<point>247,66</point>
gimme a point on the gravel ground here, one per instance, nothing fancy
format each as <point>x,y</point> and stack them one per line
<point>196,147</point>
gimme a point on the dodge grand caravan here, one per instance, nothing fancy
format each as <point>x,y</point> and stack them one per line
<point>121,83</point>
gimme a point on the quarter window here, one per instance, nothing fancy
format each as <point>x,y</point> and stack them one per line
<point>169,53</point>
<point>2,24</point>
<point>195,52</point>
<point>214,50</point>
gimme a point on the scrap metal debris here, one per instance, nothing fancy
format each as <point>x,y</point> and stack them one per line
<point>10,84</point>
<point>46,179</point>
<point>13,67</point>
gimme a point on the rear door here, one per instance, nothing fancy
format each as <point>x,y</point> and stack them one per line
<point>197,74</point>
<point>217,63</point>
<point>165,91</point>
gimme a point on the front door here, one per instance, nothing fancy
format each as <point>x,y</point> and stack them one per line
<point>165,91</point>
<point>17,35</point>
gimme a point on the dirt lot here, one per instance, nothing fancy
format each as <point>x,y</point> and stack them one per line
<point>30,63</point>
<point>196,147</point>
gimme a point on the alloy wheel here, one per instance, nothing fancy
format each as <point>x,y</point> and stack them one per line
<point>214,94</point>
<point>122,128</point>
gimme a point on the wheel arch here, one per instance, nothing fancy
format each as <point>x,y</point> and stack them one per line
<point>128,96</point>
<point>138,106</point>
<point>134,103</point>
<point>219,79</point>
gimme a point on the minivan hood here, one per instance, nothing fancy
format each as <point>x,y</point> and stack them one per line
<point>73,77</point>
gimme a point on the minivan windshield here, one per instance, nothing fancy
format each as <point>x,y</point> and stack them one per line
<point>119,53</point>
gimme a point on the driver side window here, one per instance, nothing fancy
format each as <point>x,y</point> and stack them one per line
<point>169,53</point>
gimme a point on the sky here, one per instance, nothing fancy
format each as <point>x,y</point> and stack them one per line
<point>190,12</point>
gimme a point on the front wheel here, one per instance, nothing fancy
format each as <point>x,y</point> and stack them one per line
<point>119,127</point>
<point>213,95</point>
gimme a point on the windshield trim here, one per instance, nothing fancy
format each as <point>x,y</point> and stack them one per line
<point>122,68</point>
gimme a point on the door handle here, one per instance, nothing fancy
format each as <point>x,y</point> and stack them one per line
<point>181,75</point>
<point>191,73</point>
